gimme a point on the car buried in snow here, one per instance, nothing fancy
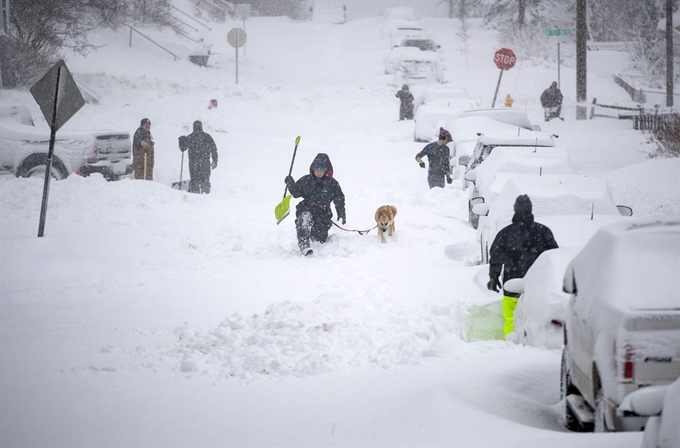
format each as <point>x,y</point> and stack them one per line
<point>24,149</point>
<point>572,206</point>
<point>622,330</point>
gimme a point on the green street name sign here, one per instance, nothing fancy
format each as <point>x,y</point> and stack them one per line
<point>559,32</point>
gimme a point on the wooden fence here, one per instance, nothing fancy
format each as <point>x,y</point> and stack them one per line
<point>657,122</point>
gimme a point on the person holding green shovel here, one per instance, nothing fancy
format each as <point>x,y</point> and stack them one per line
<point>514,250</point>
<point>313,214</point>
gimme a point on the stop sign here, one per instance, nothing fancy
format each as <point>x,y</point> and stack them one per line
<point>504,59</point>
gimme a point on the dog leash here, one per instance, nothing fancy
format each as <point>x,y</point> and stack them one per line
<point>360,232</point>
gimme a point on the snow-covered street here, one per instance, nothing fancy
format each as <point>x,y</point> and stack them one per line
<point>148,316</point>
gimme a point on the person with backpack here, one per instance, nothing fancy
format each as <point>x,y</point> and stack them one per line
<point>201,149</point>
<point>406,107</point>
<point>513,251</point>
<point>313,214</point>
<point>439,157</point>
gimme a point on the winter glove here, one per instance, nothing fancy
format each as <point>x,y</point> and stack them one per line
<point>343,219</point>
<point>449,180</point>
<point>422,164</point>
<point>493,285</point>
<point>289,180</point>
<point>214,165</point>
<point>146,145</point>
<point>182,143</point>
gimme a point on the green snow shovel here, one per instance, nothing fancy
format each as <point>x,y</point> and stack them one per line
<point>282,210</point>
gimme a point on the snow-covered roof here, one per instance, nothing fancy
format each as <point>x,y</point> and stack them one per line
<point>514,117</point>
<point>516,136</point>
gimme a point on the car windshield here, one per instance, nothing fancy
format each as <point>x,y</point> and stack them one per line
<point>425,45</point>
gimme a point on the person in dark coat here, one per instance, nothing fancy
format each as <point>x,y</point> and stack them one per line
<point>201,148</point>
<point>406,107</point>
<point>313,214</point>
<point>439,157</point>
<point>513,251</point>
<point>143,148</point>
<point>552,97</point>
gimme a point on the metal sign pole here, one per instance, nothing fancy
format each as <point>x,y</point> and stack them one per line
<point>558,66</point>
<point>237,43</point>
<point>497,87</point>
<point>244,29</point>
<point>50,154</point>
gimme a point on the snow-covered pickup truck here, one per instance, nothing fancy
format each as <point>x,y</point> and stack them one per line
<point>623,323</point>
<point>24,149</point>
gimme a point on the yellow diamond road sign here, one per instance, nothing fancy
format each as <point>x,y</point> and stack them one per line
<point>237,37</point>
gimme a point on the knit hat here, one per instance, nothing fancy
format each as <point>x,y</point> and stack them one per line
<point>523,204</point>
<point>144,121</point>
<point>404,87</point>
<point>445,135</point>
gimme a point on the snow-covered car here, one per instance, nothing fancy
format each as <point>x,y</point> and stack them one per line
<point>24,149</point>
<point>622,329</point>
<point>661,406</point>
<point>422,43</point>
<point>514,117</point>
<point>329,11</point>
<point>424,68</point>
<point>432,115</point>
<point>542,306</point>
<point>395,30</point>
<point>489,178</point>
<point>574,199</point>
<point>401,13</point>
<point>398,54</point>
<point>506,137</point>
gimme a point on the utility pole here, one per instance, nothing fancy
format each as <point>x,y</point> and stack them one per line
<point>451,9</point>
<point>581,58</point>
<point>669,53</point>
<point>520,18</point>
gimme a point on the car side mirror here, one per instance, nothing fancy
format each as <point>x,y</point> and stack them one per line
<point>515,285</point>
<point>625,210</point>
<point>471,176</point>
<point>463,160</point>
<point>480,209</point>
<point>535,127</point>
<point>555,136</point>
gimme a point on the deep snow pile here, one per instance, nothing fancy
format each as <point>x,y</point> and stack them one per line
<point>143,309</point>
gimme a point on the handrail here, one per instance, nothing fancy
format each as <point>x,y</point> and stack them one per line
<point>150,39</point>
<point>184,23</point>
<point>192,18</point>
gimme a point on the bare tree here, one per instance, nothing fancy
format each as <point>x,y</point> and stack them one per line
<point>464,33</point>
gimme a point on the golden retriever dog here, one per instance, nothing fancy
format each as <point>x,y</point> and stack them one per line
<point>384,217</point>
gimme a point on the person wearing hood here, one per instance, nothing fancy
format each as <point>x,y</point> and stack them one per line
<point>313,214</point>
<point>406,108</point>
<point>201,148</point>
<point>143,151</point>
<point>513,251</point>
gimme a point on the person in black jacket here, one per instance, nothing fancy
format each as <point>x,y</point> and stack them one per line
<point>514,250</point>
<point>439,156</point>
<point>406,103</point>
<point>551,101</point>
<point>313,214</point>
<point>201,148</point>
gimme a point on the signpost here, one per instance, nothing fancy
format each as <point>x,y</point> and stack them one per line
<point>242,11</point>
<point>558,32</point>
<point>59,99</point>
<point>504,59</point>
<point>237,38</point>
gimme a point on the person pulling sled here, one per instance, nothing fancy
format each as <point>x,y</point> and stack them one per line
<point>313,214</point>
<point>551,100</point>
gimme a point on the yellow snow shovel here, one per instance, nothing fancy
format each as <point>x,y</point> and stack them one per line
<point>282,210</point>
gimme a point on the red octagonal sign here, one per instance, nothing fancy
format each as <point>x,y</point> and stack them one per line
<point>504,59</point>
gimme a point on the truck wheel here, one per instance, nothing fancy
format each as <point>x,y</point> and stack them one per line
<point>601,412</point>
<point>35,165</point>
<point>571,422</point>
